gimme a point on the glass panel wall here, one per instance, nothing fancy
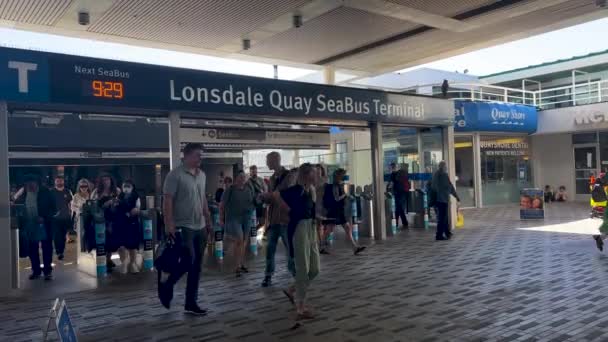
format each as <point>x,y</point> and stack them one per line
<point>505,168</point>
<point>400,146</point>
<point>465,170</point>
<point>431,141</point>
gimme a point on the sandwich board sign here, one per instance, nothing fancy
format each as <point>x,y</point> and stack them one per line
<point>60,317</point>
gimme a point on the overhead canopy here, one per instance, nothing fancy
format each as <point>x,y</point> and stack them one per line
<point>361,36</point>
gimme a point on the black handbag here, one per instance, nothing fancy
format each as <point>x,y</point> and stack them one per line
<point>168,256</point>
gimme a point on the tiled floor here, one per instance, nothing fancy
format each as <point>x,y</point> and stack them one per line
<point>499,279</point>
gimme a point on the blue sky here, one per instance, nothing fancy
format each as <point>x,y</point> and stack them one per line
<point>565,43</point>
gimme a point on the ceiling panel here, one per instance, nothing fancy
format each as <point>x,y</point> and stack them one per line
<point>438,44</point>
<point>37,12</point>
<point>447,8</point>
<point>199,23</point>
<point>332,33</point>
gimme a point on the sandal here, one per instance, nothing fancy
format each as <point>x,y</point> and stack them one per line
<point>306,314</point>
<point>244,269</point>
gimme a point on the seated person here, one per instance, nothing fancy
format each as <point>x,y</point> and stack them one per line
<point>562,195</point>
<point>548,194</point>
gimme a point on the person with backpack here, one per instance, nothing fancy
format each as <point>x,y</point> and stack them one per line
<point>235,213</point>
<point>441,189</point>
<point>334,199</point>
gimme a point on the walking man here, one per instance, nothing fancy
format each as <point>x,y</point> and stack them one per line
<point>36,225</point>
<point>278,215</point>
<point>442,188</point>
<point>188,223</point>
<point>62,221</point>
<point>257,185</point>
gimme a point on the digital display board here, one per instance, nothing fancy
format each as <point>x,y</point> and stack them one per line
<point>33,76</point>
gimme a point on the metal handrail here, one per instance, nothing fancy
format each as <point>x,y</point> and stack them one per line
<point>570,95</point>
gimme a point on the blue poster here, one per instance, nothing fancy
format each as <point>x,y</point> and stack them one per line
<point>494,117</point>
<point>531,204</point>
<point>65,329</point>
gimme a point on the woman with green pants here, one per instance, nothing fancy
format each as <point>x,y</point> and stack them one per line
<point>302,236</point>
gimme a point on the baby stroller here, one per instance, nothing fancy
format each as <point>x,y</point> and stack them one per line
<point>598,200</point>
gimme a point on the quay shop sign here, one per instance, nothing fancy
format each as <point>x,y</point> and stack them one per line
<point>494,117</point>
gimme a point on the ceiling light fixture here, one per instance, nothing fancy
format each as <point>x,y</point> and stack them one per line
<point>297,20</point>
<point>84,18</point>
<point>246,44</point>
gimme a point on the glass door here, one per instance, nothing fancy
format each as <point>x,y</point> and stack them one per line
<point>585,165</point>
<point>465,170</point>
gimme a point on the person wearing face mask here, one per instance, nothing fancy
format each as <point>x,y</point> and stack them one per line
<point>127,232</point>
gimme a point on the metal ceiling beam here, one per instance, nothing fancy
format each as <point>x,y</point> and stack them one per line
<point>393,10</point>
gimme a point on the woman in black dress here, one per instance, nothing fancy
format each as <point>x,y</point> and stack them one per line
<point>334,201</point>
<point>127,229</point>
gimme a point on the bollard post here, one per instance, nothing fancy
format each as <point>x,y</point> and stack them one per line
<point>148,254</point>
<point>253,236</point>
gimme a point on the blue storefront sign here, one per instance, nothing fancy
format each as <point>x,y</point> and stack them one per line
<point>494,117</point>
<point>40,77</point>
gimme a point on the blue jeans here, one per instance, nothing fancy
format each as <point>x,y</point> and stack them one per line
<point>277,231</point>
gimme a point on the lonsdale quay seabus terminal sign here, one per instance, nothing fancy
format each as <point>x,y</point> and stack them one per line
<point>39,77</point>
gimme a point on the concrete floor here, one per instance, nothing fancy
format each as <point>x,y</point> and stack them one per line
<point>499,279</point>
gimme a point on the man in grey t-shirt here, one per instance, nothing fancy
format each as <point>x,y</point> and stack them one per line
<point>188,223</point>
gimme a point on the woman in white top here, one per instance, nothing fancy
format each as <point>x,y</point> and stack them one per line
<point>83,194</point>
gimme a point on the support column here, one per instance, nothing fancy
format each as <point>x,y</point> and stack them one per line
<point>174,139</point>
<point>477,169</point>
<point>450,159</point>
<point>379,217</point>
<point>8,236</point>
<point>329,75</point>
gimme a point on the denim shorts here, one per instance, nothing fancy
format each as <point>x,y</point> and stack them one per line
<point>237,229</point>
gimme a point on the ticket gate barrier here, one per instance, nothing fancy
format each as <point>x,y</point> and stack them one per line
<point>391,224</point>
<point>218,233</point>
<point>91,247</point>
<point>366,223</point>
<point>149,224</point>
<point>253,237</point>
